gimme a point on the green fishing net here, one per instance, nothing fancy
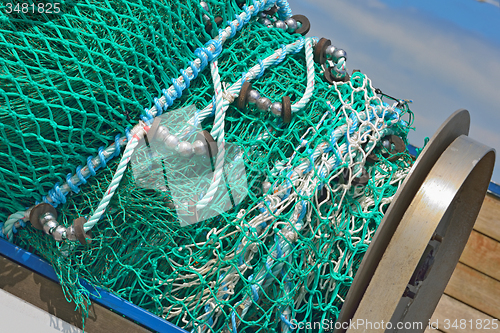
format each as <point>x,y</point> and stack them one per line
<point>306,197</point>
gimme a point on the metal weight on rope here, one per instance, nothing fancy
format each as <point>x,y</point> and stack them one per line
<point>38,212</point>
<point>208,25</point>
<point>332,74</point>
<point>271,11</point>
<point>393,145</point>
<point>242,100</point>
<point>304,29</point>
<point>83,237</point>
<point>286,110</point>
<point>320,50</point>
<point>210,142</point>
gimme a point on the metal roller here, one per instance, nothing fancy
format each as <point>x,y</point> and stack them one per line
<point>424,231</point>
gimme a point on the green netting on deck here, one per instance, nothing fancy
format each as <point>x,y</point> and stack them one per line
<point>69,83</point>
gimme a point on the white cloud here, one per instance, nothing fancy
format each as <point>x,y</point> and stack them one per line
<point>460,60</point>
<point>410,54</point>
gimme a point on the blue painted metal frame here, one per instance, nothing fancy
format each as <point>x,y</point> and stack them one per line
<point>107,299</point>
<point>494,189</point>
<point>412,150</point>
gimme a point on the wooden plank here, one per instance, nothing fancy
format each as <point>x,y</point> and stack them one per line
<point>450,310</point>
<point>476,289</point>
<point>483,254</point>
<point>488,221</point>
<point>48,296</point>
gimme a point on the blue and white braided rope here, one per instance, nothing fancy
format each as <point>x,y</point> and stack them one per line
<point>212,48</point>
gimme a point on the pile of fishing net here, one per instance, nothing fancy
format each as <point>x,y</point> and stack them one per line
<point>264,228</point>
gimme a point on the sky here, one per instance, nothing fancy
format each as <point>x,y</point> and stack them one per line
<point>442,54</point>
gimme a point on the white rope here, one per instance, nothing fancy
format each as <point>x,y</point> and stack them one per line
<point>310,76</point>
<point>307,182</point>
<point>136,135</point>
<point>224,34</point>
<point>218,133</point>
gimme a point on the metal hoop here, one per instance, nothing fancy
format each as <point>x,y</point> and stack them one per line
<point>449,152</point>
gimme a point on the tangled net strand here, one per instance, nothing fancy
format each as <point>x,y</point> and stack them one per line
<point>286,252</point>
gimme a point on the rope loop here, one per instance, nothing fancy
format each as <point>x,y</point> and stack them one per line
<point>117,146</point>
<point>300,46</point>
<point>178,89</point>
<point>248,15</point>
<point>90,166</point>
<point>72,186</point>
<point>159,108</point>
<point>284,10</point>
<point>147,116</point>
<point>187,80</point>
<point>202,56</point>
<point>168,98</point>
<point>127,134</point>
<point>282,55</point>
<point>233,29</point>
<point>218,48</point>
<point>257,5</point>
<point>80,176</point>
<point>58,195</point>
<point>193,67</point>
<point>53,198</point>
<point>101,157</point>
<point>240,22</point>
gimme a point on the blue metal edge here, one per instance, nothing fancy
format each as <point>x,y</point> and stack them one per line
<point>107,299</point>
<point>412,150</point>
<point>493,188</point>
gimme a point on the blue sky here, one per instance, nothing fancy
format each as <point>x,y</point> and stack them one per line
<point>444,55</point>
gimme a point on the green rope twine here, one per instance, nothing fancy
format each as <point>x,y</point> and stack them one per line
<point>70,83</point>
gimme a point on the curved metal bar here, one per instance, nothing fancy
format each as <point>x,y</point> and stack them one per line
<point>457,124</point>
<point>447,203</point>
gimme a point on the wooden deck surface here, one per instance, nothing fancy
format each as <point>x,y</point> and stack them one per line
<point>472,298</point>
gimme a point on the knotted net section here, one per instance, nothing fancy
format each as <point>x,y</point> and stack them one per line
<point>316,188</point>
